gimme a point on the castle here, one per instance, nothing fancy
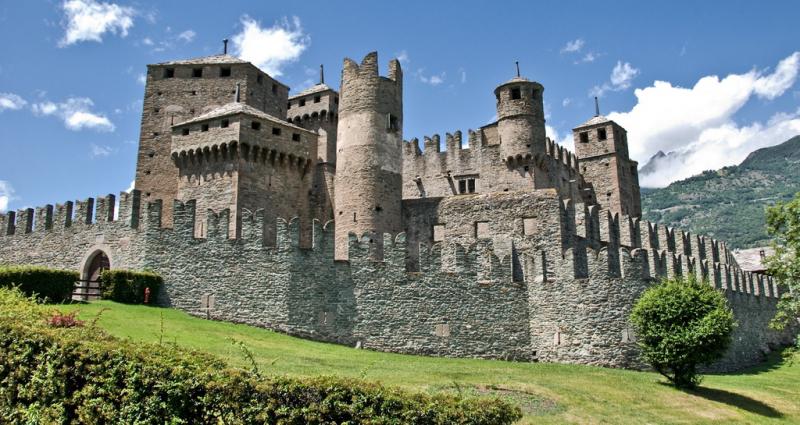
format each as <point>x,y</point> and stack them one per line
<point>309,214</point>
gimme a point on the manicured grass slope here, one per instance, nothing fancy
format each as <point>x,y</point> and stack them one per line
<point>548,393</point>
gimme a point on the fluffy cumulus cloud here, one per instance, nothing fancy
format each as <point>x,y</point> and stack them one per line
<point>621,78</point>
<point>11,101</point>
<point>271,48</point>
<point>89,20</point>
<point>696,124</point>
<point>187,36</point>
<point>76,113</point>
<point>6,194</point>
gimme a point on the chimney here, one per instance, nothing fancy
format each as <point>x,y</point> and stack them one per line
<point>321,74</point>
<point>517,63</point>
<point>596,107</point>
<point>225,46</point>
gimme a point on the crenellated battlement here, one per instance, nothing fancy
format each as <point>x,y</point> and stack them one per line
<point>77,214</point>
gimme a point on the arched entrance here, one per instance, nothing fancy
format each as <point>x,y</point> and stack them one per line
<point>89,286</point>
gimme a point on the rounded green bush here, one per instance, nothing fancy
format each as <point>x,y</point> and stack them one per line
<point>682,323</point>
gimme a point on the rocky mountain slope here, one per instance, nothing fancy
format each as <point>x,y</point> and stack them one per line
<point>729,203</point>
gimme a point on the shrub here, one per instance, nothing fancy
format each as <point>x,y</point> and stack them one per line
<point>127,286</point>
<point>682,323</point>
<point>51,284</point>
<point>82,375</point>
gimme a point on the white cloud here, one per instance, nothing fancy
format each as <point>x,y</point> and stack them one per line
<point>589,57</point>
<point>6,195</point>
<point>566,102</point>
<point>565,140</point>
<point>270,48</point>
<point>11,101</point>
<point>99,151</point>
<point>76,114</point>
<point>463,75</point>
<point>141,79</point>
<point>131,187</point>
<point>402,57</point>
<point>573,46</point>
<point>621,77</point>
<point>698,124</point>
<point>147,41</point>
<point>187,36</point>
<point>433,80</point>
<point>88,20</point>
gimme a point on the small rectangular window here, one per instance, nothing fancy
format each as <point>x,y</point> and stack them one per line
<point>471,185</point>
<point>260,79</point>
<point>197,72</point>
<point>224,124</point>
<point>601,134</point>
<point>515,94</point>
<point>276,131</point>
<point>317,99</point>
<point>274,89</point>
<point>295,137</point>
<point>289,105</point>
<point>225,71</point>
<point>169,72</point>
<point>584,137</point>
<point>302,102</point>
<point>204,127</point>
<point>255,125</point>
<point>462,186</point>
<point>391,123</point>
<point>336,100</point>
<point>185,132</point>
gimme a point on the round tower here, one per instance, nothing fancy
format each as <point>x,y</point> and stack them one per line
<point>520,117</point>
<point>369,167</point>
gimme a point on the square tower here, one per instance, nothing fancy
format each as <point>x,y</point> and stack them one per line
<point>601,146</point>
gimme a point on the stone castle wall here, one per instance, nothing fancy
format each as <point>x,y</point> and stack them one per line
<point>518,295</point>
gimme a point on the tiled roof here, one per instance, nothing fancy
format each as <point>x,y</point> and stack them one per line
<point>750,259</point>
<point>213,59</point>
<point>238,108</point>
<point>597,119</point>
<point>313,89</point>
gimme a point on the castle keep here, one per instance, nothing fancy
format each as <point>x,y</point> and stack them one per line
<point>311,215</point>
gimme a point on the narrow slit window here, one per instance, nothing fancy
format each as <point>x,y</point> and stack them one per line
<point>471,185</point>
<point>391,123</point>
<point>274,89</point>
<point>462,186</point>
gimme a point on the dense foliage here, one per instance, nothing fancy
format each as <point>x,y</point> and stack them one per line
<point>51,284</point>
<point>127,286</point>
<point>783,222</point>
<point>682,323</point>
<point>728,204</point>
<point>81,375</point>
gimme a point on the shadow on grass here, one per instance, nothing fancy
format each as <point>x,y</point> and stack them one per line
<point>736,400</point>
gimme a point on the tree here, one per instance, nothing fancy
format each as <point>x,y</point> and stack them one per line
<point>783,223</point>
<point>682,323</point>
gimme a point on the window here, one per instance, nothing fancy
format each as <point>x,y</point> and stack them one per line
<point>391,123</point>
<point>302,102</point>
<point>225,71</point>
<point>584,136</point>
<point>295,137</point>
<point>276,131</point>
<point>289,105</point>
<point>471,185</point>
<point>601,134</point>
<point>482,230</point>
<point>194,92</point>
<point>317,99</point>
<point>274,89</point>
<point>204,127</point>
<point>223,124</point>
<point>515,94</point>
<point>156,110</point>
<point>438,232</point>
<point>255,125</point>
<point>151,154</point>
<point>197,72</point>
<point>336,100</point>
<point>466,186</point>
<point>260,79</point>
<point>169,72</point>
<point>185,132</point>
<point>462,186</point>
<point>534,95</point>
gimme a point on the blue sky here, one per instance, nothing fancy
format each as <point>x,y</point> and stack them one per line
<point>709,82</point>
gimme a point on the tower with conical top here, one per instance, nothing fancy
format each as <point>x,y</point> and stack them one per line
<point>520,117</point>
<point>369,168</point>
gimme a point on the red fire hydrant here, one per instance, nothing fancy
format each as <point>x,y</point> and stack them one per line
<point>146,295</point>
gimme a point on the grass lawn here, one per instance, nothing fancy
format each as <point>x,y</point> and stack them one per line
<point>547,393</point>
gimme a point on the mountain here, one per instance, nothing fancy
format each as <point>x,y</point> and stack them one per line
<point>729,203</point>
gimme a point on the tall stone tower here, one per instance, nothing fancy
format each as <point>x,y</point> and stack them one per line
<point>602,149</point>
<point>520,117</point>
<point>178,91</point>
<point>369,164</point>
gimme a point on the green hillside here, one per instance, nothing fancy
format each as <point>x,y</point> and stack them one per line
<point>729,203</point>
<point>547,393</point>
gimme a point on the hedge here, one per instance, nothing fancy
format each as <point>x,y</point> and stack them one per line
<point>51,284</point>
<point>127,286</point>
<point>82,375</point>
